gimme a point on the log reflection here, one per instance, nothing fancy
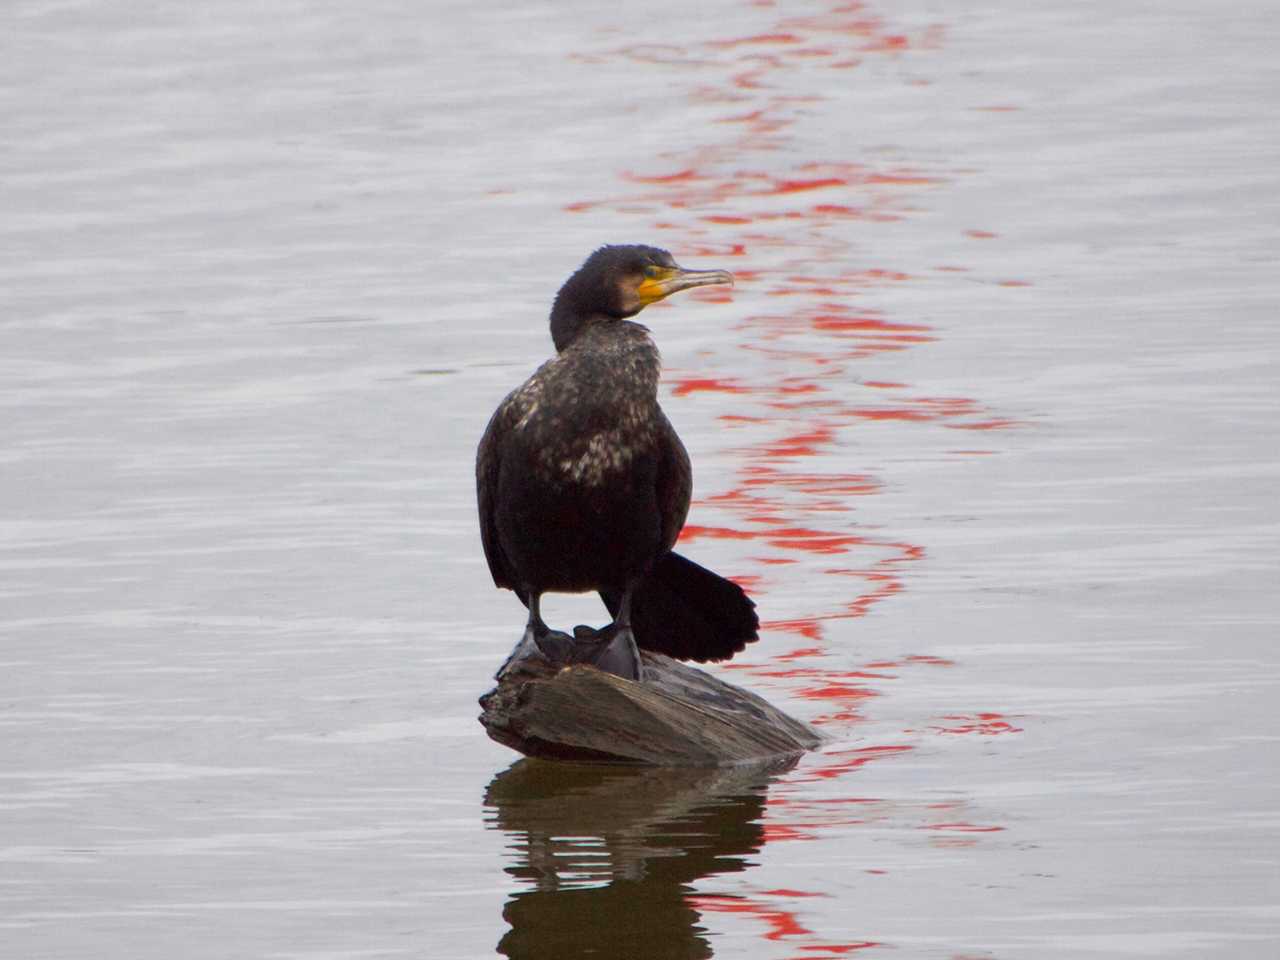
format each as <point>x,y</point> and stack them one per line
<point>607,855</point>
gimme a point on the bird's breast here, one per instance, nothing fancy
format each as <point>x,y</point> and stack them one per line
<point>604,458</point>
<point>590,416</point>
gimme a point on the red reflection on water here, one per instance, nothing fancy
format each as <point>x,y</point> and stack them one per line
<point>892,414</point>
<point>998,424</point>
<point>847,484</point>
<point>838,210</point>
<point>825,321</point>
<point>845,698</point>
<point>892,43</point>
<point>803,397</point>
<point>783,892</point>
<point>718,250</point>
<point>845,762</point>
<point>662,53</point>
<point>781,923</point>
<point>711,295</point>
<point>984,724</point>
<point>774,832</point>
<point>692,531</point>
<point>751,117</point>
<point>836,21</point>
<point>836,691</point>
<point>803,444</point>
<point>815,542</point>
<point>901,178</point>
<point>799,653</point>
<point>808,627</point>
<point>800,186</point>
<point>690,385</point>
<point>763,38</point>
<point>680,176</point>
<point>841,949</point>
<point>791,538</point>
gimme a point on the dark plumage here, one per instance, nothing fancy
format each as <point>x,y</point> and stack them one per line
<point>583,484</point>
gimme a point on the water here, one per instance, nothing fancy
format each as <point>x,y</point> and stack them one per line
<point>988,425</point>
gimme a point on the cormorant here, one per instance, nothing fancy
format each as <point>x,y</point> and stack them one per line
<point>583,484</point>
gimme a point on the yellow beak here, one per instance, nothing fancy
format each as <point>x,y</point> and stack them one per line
<point>674,279</point>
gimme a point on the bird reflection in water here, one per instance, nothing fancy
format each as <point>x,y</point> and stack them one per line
<point>607,855</point>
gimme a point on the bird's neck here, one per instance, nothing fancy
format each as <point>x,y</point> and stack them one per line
<point>576,311</point>
<point>568,322</point>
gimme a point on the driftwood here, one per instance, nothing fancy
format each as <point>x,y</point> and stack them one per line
<point>551,704</point>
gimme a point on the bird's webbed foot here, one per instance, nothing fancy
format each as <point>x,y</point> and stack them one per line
<point>538,643</point>
<point>614,651</point>
<point>528,648</point>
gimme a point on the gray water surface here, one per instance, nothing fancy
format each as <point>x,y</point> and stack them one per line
<point>988,426</point>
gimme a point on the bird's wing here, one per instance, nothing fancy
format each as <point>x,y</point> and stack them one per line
<point>675,483</point>
<point>488,468</point>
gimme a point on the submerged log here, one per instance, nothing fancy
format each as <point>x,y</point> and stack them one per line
<point>553,705</point>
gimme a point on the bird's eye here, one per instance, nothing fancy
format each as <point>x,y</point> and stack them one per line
<point>652,270</point>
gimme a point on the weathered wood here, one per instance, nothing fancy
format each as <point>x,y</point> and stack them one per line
<point>565,709</point>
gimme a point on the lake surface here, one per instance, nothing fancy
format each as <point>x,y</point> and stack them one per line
<point>988,426</point>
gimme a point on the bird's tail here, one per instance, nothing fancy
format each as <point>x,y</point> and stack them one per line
<point>688,612</point>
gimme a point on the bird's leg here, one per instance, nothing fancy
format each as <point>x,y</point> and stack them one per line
<point>534,625</point>
<point>534,629</point>
<point>620,655</point>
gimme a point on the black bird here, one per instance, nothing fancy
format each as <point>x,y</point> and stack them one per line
<point>583,484</point>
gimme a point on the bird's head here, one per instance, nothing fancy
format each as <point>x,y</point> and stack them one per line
<point>617,282</point>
